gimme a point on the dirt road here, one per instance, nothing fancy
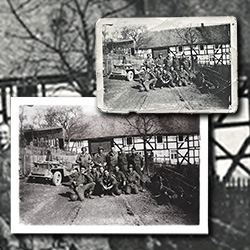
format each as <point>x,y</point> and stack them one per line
<point>42,204</point>
<point>125,95</point>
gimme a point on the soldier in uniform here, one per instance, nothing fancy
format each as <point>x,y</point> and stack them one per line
<point>99,158</point>
<point>84,159</point>
<point>96,177</point>
<point>120,180</point>
<point>159,61</point>
<point>168,62</point>
<point>133,181</point>
<point>136,160</point>
<point>164,78</point>
<point>7,240</point>
<point>112,159</point>
<point>184,77</point>
<point>149,62</point>
<point>123,161</point>
<point>82,183</point>
<point>176,63</point>
<point>108,184</point>
<point>174,79</point>
<point>148,78</point>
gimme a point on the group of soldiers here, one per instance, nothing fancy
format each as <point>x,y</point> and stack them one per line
<point>165,72</point>
<point>114,173</point>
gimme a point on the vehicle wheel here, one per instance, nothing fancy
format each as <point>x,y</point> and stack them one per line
<point>130,75</point>
<point>57,178</point>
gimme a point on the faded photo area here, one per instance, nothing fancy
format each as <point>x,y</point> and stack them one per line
<point>81,167</point>
<point>26,70</point>
<point>167,65</point>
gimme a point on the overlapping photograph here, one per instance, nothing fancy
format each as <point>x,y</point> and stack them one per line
<point>167,65</point>
<point>78,170</point>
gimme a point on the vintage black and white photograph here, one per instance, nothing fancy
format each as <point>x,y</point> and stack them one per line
<point>167,65</point>
<point>91,172</point>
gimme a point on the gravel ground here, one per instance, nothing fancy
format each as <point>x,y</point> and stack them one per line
<point>126,96</point>
<point>42,204</point>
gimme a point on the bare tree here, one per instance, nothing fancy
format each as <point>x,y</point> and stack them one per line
<point>146,126</point>
<point>58,37</point>
<point>190,37</point>
<point>137,33</point>
<point>70,118</point>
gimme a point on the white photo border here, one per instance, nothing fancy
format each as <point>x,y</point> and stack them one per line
<point>90,103</point>
<point>213,19</point>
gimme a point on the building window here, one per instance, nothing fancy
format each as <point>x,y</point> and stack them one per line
<point>180,137</point>
<point>201,47</point>
<point>159,139</point>
<point>180,48</point>
<point>129,140</point>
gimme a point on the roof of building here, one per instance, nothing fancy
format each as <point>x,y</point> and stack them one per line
<point>42,129</point>
<point>217,34</point>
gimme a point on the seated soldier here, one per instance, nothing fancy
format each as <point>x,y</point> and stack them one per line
<point>174,79</point>
<point>82,183</point>
<point>133,181</point>
<point>108,184</point>
<point>147,79</point>
<point>96,176</point>
<point>184,77</point>
<point>165,78</point>
<point>120,180</point>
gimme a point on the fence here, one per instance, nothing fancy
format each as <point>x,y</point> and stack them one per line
<point>232,202</point>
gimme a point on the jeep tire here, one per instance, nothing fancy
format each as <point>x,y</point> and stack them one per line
<point>130,75</point>
<point>57,178</point>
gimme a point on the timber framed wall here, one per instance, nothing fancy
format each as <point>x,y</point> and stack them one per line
<point>173,149</point>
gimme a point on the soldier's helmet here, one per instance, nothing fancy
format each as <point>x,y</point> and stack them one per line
<point>73,197</point>
<point>100,148</point>
<point>130,166</point>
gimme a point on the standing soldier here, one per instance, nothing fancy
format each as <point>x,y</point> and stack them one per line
<point>81,183</point>
<point>123,161</point>
<point>176,63</point>
<point>133,181</point>
<point>149,62</point>
<point>120,180</point>
<point>184,77</point>
<point>159,61</point>
<point>99,158</point>
<point>112,159</point>
<point>168,62</point>
<point>84,159</point>
<point>136,160</point>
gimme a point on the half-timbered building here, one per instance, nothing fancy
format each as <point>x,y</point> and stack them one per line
<point>209,45</point>
<point>170,148</point>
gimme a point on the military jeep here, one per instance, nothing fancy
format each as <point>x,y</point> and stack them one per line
<point>54,171</point>
<point>125,71</point>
